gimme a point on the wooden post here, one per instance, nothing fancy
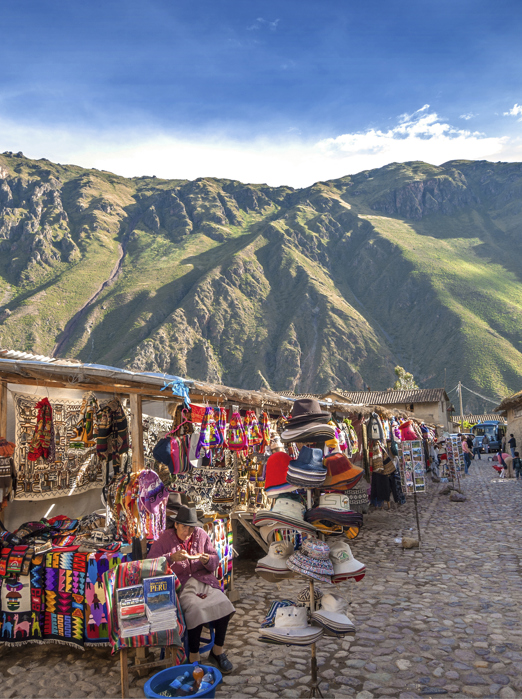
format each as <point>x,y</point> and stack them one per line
<point>138,455</point>
<point>124,672</point>
<point>3,423</point>
<point>3,409</point>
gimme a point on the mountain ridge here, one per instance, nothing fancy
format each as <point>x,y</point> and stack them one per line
<point>328,286</point>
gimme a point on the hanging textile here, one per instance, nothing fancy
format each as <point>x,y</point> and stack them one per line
<point>96,607</point>
<point>42,441</point>
<point>86,428</point>
<point>22,604</point>
<point>133,573</point>
<point>65,577</point>
<point>70,471</point>
<point>113,433</point>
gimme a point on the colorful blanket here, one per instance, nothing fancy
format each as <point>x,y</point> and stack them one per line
<point>133,573</point>
<point>96,609</point>
<point>65,578</point>
<point>22,605</point>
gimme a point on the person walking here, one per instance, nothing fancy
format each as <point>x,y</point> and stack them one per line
<point>476,448</point>
<point>517,465</point>
<point>467,455</point>
<point>512,444</point>
<point>485,444</point>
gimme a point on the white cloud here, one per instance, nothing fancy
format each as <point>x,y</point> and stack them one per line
<point>261,22</point>
<point>287,158</point>
<point>467,116</point>
<point>516,110</point>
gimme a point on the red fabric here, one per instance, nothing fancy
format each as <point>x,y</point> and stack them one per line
<point>276,469</point>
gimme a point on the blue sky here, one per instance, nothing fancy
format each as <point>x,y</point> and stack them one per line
<point>284,92</point>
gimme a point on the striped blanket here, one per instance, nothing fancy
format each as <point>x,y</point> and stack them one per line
<point>133,573</point>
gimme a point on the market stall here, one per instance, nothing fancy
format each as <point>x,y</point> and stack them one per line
<point>97,457</point>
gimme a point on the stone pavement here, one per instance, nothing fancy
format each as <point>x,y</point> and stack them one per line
<point>442,620</point>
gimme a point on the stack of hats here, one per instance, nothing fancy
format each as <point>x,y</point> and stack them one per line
<point>308,423</point>
<point>272,567</point>
<point>286,511</point>
<point>345,566</point>
<point>276,474</point>
<point>307,470</point>
<point>291,628</point>
<point>332,616</point>
<point>333,516</point>
<point>312,560</point>
<point>342,474</point>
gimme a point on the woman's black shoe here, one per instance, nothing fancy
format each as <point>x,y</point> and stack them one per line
<point>221,662</point>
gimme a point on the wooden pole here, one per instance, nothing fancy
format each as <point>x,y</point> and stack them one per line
<point>416,508</point>
<point>138,454</point>
<point>3,423</point>
<point>461,410</point>
<point>3,409</point>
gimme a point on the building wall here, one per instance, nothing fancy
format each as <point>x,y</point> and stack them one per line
<point>514,425</point>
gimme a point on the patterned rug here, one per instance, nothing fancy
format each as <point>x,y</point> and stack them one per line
<point>21,606</point>
<point>65,578</point>
<point>96,610</point>
<point>73,470</point>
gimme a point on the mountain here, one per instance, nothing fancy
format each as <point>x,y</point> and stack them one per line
<point>251,286</point>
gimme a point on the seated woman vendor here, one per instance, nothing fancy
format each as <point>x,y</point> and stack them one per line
<point>191,556</point>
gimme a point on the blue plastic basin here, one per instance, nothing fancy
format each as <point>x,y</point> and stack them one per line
<point>161,680</point>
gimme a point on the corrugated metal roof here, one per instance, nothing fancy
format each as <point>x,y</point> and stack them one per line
<point>417,395</point>
<point>27,356</point>
<point>474,419</point>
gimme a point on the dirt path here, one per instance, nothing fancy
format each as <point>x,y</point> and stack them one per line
<point>115,273</point>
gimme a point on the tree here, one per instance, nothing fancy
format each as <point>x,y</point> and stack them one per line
<point>404,381</point>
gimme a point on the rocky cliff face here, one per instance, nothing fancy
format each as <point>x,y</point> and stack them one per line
<point>329,286</point>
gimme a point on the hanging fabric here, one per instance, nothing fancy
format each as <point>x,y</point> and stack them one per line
<point>236,435</point>
<point>42,441</point>
<point>253,431</point>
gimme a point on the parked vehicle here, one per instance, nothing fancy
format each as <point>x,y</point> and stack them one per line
<point>494,429</point>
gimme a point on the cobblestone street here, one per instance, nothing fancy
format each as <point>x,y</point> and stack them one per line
<point>440,620</point>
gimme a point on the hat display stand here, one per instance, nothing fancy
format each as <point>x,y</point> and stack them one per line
<point>314,684</point>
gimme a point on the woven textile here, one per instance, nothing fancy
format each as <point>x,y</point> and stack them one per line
<point>96,608</point>
<point>65,578</point>
<point>21,606</point>
<point>133,573</point>
<point>75,470</point>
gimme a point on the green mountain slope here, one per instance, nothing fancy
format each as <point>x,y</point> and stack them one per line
<point>250,285</point>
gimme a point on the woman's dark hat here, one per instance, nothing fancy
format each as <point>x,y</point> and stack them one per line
<point>187,516</point>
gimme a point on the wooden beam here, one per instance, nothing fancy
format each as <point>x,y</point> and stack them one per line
<point>148,392</point>
<point>138,454</point>
<point>3,409</point>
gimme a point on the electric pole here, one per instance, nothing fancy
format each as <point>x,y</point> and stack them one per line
<point>461,410</point>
